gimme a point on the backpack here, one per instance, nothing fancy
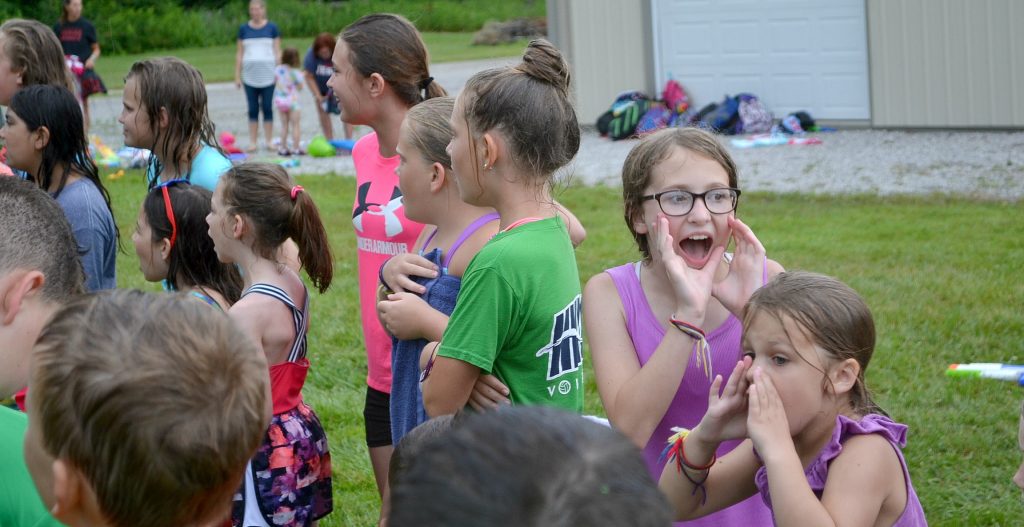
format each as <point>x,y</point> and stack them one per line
<point>674,96</point>
<point>722,117</point>
<point>656,118</point>
<point>619,122</point>
<point>754,117</point>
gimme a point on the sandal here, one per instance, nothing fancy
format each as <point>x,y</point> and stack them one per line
<point>283,152</point>
<point>299,152</point>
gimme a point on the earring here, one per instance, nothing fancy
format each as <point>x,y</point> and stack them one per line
<point>486,166</point>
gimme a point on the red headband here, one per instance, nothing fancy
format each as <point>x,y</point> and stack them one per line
<point>170,215</point>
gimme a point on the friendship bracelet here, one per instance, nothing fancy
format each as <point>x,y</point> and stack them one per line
<point>702,348</point>
<point>677,453</point>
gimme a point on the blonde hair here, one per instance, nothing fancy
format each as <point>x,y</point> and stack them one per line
<point>431,129</point>
<point>652,150</point>
<point>35,52</point>
<point>157,399</point>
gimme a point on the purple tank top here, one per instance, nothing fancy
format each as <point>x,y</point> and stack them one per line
<point>817,472</point>
<point>691,400</point>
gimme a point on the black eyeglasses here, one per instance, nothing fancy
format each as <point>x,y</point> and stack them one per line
<point>678,202</point>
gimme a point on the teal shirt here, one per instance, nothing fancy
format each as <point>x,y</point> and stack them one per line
<point>20,504</point>
<point>518,315</point>
<point>206,168</point>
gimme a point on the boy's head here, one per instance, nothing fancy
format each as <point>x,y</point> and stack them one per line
<point>143,410</point>
<point>39,271</point>
<point>527,466</point>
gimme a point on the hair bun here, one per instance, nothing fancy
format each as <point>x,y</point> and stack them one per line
<point>544,62</point>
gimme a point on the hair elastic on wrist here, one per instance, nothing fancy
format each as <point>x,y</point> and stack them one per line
<point>430,363</point>
<point>380,274</point>
<point>701,348</point>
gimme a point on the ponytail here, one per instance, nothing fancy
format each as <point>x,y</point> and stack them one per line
<point>306,229</point>
<point>278,209</point>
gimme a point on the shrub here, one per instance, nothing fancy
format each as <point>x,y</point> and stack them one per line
<point>136,26</point>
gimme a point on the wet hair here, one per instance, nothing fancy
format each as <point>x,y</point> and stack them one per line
<point>530,105</point>
<point>158,400</point>
<point>171,83</point>
<point>831,314</point>
<point>68,148</point>
<point>324,40</point>
<point>528,466</point>
<point>390,45</point>
<point>192,261</point>
<point>654,149</point>
<point>290,56</point>
<point>262,192</point>
<point>37,236</point>
<point>36,53</point>
<point>431,130</point>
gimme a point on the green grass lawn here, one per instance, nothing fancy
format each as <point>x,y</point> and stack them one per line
<point>217,63</point>
<point>941,276</point>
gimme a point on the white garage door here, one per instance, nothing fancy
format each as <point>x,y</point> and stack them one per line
<point>794,55</point>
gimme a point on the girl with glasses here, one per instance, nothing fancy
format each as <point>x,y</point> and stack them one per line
<point>662,327</point>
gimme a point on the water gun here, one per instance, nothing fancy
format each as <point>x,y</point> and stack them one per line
<point>988,370</point>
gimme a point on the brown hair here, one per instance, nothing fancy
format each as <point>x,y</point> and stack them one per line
<point>35,52</point>
<point>431,130</point>
<point>389,44</point>
<point>171,83</point>
<point>122,384</point>
<point>37,236</point>
<point>290,56</point>
<point>529,103</point>
<point>652,150</point>
<point>263,193</point>
<point>324,40</point>
<point>831,314</point>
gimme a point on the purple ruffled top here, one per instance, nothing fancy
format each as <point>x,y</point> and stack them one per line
<point>817,472</point>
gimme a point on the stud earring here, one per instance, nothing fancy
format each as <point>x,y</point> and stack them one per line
<point>486,166</point>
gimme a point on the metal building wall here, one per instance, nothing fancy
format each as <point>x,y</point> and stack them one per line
<point>608,45</point>
<point>946,63</point>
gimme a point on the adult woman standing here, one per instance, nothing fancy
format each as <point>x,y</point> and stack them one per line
<point>81,49</point>
<point>317,68</point>
<point>259,46</point>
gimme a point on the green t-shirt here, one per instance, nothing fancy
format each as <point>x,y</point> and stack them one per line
<point>20,504</point>
<point>518,315</point>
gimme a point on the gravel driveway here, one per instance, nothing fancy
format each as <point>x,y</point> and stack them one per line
<point>981,164</point>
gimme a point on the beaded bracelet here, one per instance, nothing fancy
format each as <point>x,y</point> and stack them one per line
<point>703,349</point>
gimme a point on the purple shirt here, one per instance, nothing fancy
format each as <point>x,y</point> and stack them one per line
<point>817,472</point>
<point>691,400</point>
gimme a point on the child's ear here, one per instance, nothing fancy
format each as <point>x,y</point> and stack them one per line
<point>640,225</point>
<point>375,84</point>
<point>438,175</point>
<point>165,249</point>
<point>14,289</point>
<point>163,118</point>
<point>41,138</point>
<point>237,226</point>
<point>844,375</point>
<point>67,494</point>
<point>490,147</point>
